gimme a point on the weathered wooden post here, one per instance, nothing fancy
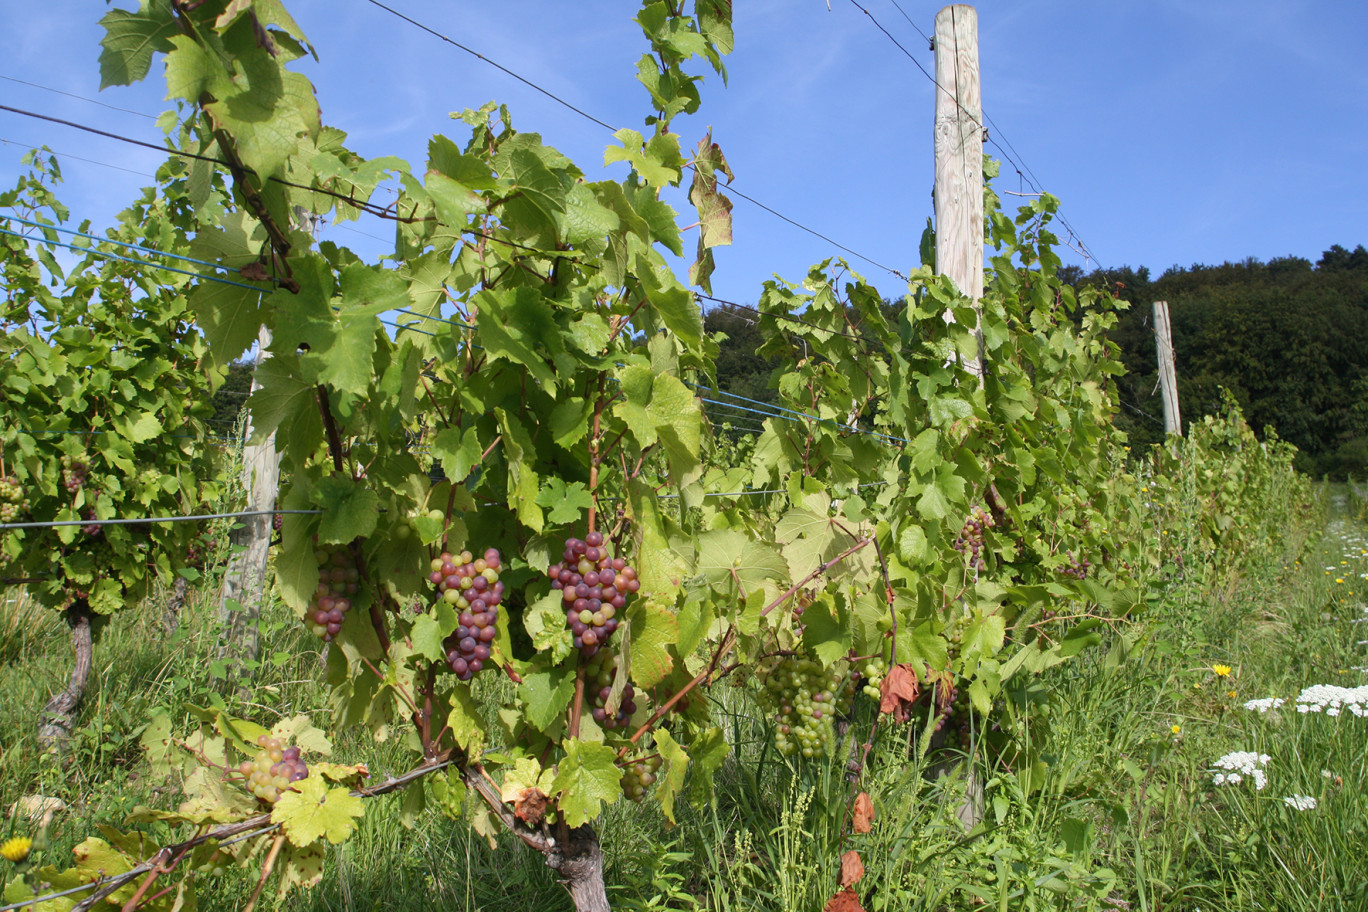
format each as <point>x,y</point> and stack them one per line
<point>959,156</point>
<point>959,211</point>
<point>1168,372</point>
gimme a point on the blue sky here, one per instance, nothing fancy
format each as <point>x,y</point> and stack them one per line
<point>1174,132</point>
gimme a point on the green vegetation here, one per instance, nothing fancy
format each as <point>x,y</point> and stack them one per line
<point>539,624</point>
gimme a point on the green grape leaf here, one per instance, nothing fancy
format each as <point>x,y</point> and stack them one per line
<point>131,38</point>
<point>458,451</point>
<point>311,811</point>
<point>671,781</point>
<point>301,866</point>
<point>708,750</point>
<point>826,630</point>
<point>546,694</point>
<point>466,723</point>
<point>350,511</point>
<point>566,502</point>
<point>544,621</point>
<point>653,630</point>
<point>587,778</point>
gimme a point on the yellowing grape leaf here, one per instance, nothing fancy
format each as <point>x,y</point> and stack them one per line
<point>313,811</point>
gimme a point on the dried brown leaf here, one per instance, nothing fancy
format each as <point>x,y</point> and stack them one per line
<point>864,813</point>
<point>530,807</point>
<point>852,868</point>
<point>844,901</point>
<point>899,691</point>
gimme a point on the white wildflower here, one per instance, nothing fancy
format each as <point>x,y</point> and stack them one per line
<point>1265,704</point>
<point>1241,764</point>
<point>1300,802</point>
<point>1331,699</point>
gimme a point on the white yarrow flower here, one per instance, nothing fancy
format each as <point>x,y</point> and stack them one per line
<point>1240,764</point>
<point>1332,699</point>
<point>1299,802</point>
<point>1265,704</point>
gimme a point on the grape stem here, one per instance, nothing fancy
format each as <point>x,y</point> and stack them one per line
<point>577,706</point>
<point>862,543</point>
<point>266,869</point>
<point>723,647</point>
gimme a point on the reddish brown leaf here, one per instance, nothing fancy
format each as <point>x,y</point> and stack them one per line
<point>864,813</point>
<point>852,868</point>
<point>530,807</point>
<point>844,901</point>
<point>899,691</point>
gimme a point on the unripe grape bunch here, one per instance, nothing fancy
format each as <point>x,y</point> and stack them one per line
<point>74,473</point>
<point>872,671</point>
<point>599,675</point>
<point>970,539</point>
<point>639,776</point>
<point>274,768</point>
<point>805,698</point>
<point>470,585</point>
<point>12,500</point>
<point>338,581</point>
<point>594,588</point>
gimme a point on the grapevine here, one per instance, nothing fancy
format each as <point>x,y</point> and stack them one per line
<point>13,504</point>
<point>472,586</point>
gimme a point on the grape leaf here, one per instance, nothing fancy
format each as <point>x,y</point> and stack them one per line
<point>546,694</point>
<point>131,38</point>
<point>313,811</point>
<point>587,778</point>
<point>653,629</point>
<point>671,781</point>
<point>466,723</point>
<point>350,511</point>
<point>566,502</point>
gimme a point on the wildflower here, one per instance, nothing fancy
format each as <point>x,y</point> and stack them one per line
<point>1241,764</point>
<point>1326,774</point>
<point>1332,699</point>
<point>1231,694</point>
<point>1176,729</point>
<point>1299,802</point>
<point>16,849</point>
<point>1222,671</point>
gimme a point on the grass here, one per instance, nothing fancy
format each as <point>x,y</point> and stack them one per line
<point>1104,801</point>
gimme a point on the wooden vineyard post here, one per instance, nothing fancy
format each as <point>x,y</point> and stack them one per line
<point>959,141</point>
<point>1168,372</point>
<point>244,579</point>
<point>959,156</point>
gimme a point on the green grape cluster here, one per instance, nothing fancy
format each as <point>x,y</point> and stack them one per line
<point>338,581</point>
<point>12,500</point>
<point>872,672</point>
<point>273,769</point>
<point>805,698</point>
<point>639,776</point>
<point>954,632</point>
<point>599,674</point>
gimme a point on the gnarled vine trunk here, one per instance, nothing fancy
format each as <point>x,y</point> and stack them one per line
<point>58,717</point>
<point>579,861</point>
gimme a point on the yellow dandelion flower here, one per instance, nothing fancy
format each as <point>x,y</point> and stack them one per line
<point>1231,694</point>
<point>1176,729</point>
<point>16,849</point>
<point>1196,685</point>
<point>1222,671</point>
<point>1339,579</point>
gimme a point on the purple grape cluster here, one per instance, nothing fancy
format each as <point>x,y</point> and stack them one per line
<point>338,581</point>
<point>1078,567</point>
<point>471,585</point>
<point>74,472</point>
<point>970,539</point>
<point>594,588</point>
<point>639,776</point>
<point>599,675</point>
<point>91,528</point>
